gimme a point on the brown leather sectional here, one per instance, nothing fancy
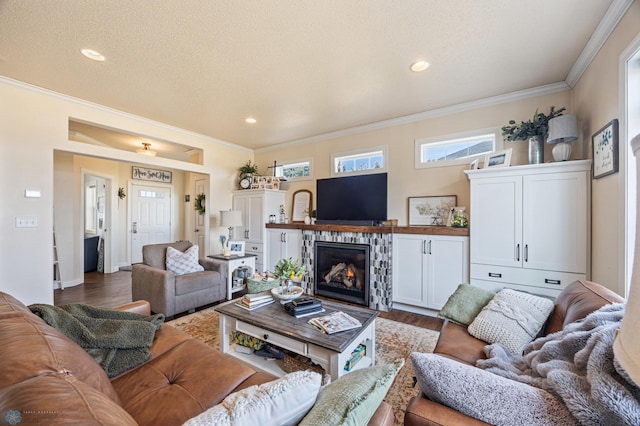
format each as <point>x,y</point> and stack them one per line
<point>46,378</point>
<point>575,302</point>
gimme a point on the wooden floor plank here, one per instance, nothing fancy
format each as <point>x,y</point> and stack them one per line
<point>109,290</point>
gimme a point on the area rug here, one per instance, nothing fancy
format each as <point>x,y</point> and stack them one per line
<point>393,340</point>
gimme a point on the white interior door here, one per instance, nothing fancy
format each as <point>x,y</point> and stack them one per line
<point>150,218</point>
<point>199,229</point>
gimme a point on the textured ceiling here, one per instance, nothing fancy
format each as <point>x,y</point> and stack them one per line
<point>301,67</point>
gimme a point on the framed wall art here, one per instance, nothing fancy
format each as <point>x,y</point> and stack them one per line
<point>428,211</point>
<point>605,150</point>
<point>301,205</point>
<point>498,158</point>
<point>143,173</point>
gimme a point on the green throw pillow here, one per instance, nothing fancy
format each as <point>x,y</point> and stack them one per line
<point>352,399</point>
<point>465,304</point>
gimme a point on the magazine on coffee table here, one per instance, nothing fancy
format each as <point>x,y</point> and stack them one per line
<point>335,322</point>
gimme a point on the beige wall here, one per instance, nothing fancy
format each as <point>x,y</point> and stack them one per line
<point>404,179</point>
<point>34,125</point>
<point>596,101</point>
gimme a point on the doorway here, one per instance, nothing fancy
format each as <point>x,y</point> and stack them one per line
<point>97,218</point>
<point>150,221</point>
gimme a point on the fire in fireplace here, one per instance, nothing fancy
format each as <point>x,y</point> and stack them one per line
<point>341,271</point>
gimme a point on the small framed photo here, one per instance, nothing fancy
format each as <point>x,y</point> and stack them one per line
<point>236,248</point>
<point>605,150</point>
<point>430,211</point>
<point>498,159</point>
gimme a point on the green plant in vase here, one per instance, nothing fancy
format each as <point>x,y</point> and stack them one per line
<point>534,130</point>
<point>289,270</point>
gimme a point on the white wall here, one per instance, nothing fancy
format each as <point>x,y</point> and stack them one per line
<point>33,125</point>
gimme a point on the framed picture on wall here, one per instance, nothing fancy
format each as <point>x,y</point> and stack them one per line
<point>605,150</point>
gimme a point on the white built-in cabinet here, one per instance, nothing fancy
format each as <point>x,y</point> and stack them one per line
<point>427,269</point>
<point>256,206</point>
<point>529,226</point>
<point>282,244</point>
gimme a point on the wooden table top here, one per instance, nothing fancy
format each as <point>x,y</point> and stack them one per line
<point>274,318</point>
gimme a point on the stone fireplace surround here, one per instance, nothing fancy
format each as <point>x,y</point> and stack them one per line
<point>379,239</point>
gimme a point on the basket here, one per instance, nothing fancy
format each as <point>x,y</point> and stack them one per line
<point>294,362</point>
<point>257,286</point>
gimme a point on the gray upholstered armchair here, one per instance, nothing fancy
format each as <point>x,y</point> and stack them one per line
<point>171,294</point>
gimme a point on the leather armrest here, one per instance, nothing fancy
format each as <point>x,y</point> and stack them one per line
<point>383,416</point>
<point>421,411</point>
<point>138,307</point>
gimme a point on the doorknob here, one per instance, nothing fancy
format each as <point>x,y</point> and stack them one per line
<point>134,227</point>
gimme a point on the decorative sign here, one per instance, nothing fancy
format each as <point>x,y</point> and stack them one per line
<point>142,173</point>
<point>605,150</point>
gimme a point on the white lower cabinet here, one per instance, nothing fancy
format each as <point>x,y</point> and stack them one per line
<point>282,244</point>
<point>427,269</point>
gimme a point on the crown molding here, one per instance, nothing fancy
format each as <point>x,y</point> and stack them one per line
<point>466,106</point>
<point>609,21</point>
<point>66,98</point>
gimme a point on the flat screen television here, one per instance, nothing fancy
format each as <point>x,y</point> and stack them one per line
<point>352,200</point>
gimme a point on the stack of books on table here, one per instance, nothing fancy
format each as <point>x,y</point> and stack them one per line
<point>255,300</point>
<point>304,307</point>
<point>335,322</point>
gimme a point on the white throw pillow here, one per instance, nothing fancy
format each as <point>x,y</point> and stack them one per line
<point>180,263</point>
<point>512,318</point>
<point>284,401</point>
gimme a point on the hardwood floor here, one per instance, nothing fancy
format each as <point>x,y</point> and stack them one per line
<point>109,290</point>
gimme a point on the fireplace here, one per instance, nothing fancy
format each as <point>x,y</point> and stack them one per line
<point>341,271</point>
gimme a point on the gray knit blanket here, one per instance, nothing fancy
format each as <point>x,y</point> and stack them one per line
<point>577,365</point>
<point>117,340</point>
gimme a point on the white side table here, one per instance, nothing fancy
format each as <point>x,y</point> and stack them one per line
<point>230,264</point>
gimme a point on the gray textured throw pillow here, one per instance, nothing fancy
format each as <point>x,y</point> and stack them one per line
<point>485,396</point>
<point>512,318</point>
<point>465,304</point>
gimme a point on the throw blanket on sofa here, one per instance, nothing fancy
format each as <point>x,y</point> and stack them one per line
<point>117,340</point>
<point>576,364</point>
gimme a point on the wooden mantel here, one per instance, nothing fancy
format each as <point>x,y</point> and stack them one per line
<point>426,230</point>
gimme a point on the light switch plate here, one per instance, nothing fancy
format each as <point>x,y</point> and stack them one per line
<point>32,193</point>
<point>27,222</point>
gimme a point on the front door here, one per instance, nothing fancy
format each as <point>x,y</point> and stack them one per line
<point>150,218</point>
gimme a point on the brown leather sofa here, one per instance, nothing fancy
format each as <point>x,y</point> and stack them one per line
<point>575,302</point>
<point>46,378</point>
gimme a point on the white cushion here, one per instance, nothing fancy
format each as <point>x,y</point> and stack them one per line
<point>284,401</point>
<point>512,318</point>
<point>180,263</point>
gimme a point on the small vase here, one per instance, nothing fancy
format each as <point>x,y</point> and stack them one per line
<point>307,220</point>
<point>536,150</point>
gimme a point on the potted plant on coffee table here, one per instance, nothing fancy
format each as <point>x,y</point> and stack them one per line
<point>288,271</point>
<point>534,130</point>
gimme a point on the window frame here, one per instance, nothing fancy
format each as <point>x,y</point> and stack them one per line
<point>456,137</point>
<point>358,152</point>
<point>282,164</point>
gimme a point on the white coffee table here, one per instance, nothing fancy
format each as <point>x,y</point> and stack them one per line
<point>272,324</point>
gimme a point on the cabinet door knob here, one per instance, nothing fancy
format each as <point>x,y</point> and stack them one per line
<point>495,275</point>
<point>550,281</point>
<point>265,337</point>
<point>518,252</point>
<point>526,252</point>
<point>429,246</point>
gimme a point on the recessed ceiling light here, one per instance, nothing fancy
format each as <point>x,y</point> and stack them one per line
<point>250,120</point>
<point>419,66</point>
<point>93,55</point>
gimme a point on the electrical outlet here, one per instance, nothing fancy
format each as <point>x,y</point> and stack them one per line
<point>27,222</point>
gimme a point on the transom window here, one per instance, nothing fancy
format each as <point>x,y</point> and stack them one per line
<point>455,149</point>
<point>297,170</point>
<point>371,160</point>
